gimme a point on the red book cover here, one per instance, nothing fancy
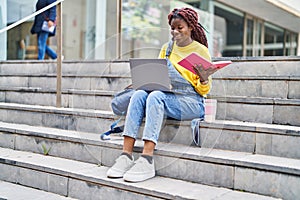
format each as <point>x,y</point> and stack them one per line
<point>195,59</point>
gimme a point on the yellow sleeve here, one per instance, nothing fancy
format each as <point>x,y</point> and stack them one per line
<point>162,53</point>
<point>203,90</point>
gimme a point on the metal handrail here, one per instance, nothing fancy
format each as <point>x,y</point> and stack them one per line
<point>59,43</point>
<point>30,16</point>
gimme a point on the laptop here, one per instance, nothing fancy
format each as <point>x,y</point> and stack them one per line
<point>150,74</point>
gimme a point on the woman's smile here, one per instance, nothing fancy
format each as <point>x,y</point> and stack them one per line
<point>181,32</point>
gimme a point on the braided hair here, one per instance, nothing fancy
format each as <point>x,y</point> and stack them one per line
<point>190,16</point>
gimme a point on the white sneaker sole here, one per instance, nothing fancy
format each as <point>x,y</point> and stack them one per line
<point>138,177</point>
<point>112,173</point>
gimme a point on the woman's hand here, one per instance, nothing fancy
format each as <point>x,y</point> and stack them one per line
<point>204,73</point>
<point>50,23</point>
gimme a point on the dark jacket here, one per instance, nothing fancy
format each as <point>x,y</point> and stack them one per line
<point>49,14</point>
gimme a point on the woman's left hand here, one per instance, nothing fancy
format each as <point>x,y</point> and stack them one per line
<point>204,73</point>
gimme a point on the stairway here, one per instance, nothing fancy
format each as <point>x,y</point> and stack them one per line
<point>31,52</point>
<point>249,152</point>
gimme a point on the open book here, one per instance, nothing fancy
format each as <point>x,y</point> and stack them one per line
<point>195,59</point>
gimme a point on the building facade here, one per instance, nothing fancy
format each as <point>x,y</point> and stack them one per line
<point>103,29</point>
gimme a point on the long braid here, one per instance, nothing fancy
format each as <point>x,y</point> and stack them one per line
<point>190,16</point>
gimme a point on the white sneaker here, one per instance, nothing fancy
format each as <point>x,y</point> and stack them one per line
<point>122,164</point>
<point>141,170</point>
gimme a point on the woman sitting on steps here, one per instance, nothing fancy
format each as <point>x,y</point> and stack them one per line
<point>188,36</point>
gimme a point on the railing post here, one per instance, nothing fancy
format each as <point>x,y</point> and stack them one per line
<point>119,29</point>
<point>59,55</point>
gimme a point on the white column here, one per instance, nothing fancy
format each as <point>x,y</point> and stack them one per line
<point>210,35</point>
<point>100,29</point>
<point>3,36</point>
<point>90,29</point>
<point>298,45</point>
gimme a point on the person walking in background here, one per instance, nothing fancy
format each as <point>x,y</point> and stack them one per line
<point>42,36</point>
<point>188,37</point>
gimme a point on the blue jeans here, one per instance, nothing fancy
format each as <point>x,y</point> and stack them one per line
<point>43,48</point>
<point>156,106</point>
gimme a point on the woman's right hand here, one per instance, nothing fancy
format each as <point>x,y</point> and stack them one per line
<point>204,73</point>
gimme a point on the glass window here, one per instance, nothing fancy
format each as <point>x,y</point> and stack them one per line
<point>234,31</point>
<point>94,29</point>
<point>290,43</point>
<point>142,28</point>
<point>274,39</point>
<point>145,26</point>
<point>253,36</point>
<point>18,38</point>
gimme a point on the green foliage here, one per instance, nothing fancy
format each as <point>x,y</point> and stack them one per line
<point>45,149</point>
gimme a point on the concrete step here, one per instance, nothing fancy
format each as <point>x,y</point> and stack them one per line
<point>257,86</point>
<point>20,192</point>
<point>88,181</point>
<point>272,79</point>
<point>261,110</point>
<point>91,68</point>
<point>260,67</point>
<point>270,87</point>
<point>250,66</point>
<point>85,99</point>
<point>275,87</point>
<point>64,118</point>
<point>250,109</point>
<point>76,82</point>
<point>259,138</point>
<point>268,175</point>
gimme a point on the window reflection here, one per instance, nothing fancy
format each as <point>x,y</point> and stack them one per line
<point>234,28</point>
<point>91,30</point>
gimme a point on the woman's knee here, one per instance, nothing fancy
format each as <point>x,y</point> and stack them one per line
<point>139,95</point>
<point>155,96</point>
